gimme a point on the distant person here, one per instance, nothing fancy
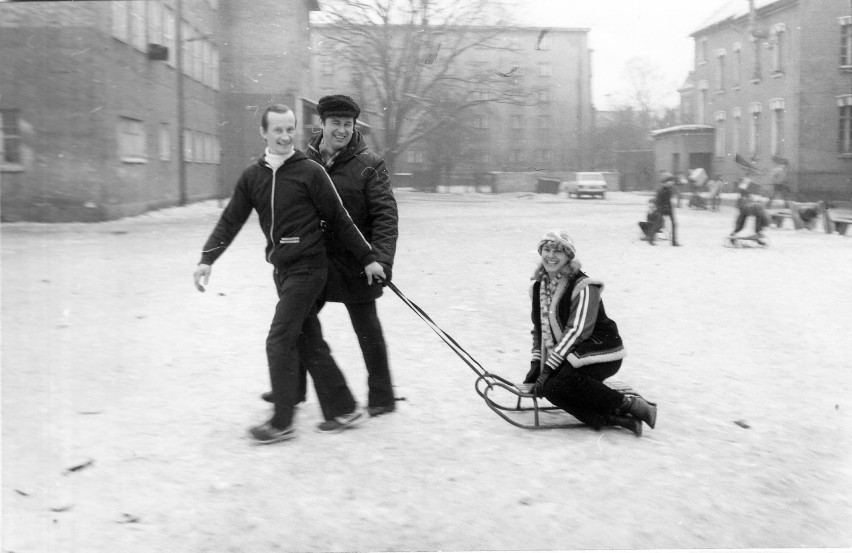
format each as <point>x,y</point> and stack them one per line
<point>361,178</point>
<point>697,179</point>
<point>576,346</point>
<point>780,186</point>
<point>714,190</point>
<point>663,200</point>
<point>748,206</point>
<point>292,195</point>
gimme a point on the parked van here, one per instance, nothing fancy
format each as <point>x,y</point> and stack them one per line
<point>585,184</point>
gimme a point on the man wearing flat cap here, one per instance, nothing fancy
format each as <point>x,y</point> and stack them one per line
<point>362,180</point>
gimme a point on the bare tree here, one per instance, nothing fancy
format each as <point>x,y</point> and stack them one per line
<point>406,56</point>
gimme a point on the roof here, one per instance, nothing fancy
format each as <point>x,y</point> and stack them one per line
<point>729,10</point>
<point>683,128</point>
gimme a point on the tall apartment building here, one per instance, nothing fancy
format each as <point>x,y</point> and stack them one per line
<point>776,88</point>
<point>99,98</point>
<point>548,131</point>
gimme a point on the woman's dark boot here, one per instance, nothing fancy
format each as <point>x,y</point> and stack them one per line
<point>641,409</point>
<point>632,424</point>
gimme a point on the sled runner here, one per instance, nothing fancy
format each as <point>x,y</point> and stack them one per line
<point>752,241</point>
<point>514,403</point>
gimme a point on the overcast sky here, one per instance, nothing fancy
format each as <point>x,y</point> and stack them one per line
<point>620,29</point>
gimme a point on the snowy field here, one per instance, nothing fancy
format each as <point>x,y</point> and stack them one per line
<point>127,394</point>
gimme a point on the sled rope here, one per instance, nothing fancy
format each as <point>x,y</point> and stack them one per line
<point>449,340</point>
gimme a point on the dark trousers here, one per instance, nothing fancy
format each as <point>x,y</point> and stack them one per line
<point>761,218</point>
<point>368,329</point>
<point>365,322</point>
<point>582,393</point>
<point>658,224</point>
<point>296,333</point>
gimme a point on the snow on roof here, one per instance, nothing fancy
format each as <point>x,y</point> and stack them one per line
<point>682,128</point>
<point>731,9</point>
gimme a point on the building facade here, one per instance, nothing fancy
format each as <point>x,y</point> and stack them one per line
<point>110,109</point>
<point>547,129</point>
<point>776,85</point>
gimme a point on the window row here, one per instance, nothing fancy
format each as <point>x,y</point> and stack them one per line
<point>416,157</point>
<point>198,147</point>
<point>143,22</point>
<point>751,126</point>
<point>516,122</point>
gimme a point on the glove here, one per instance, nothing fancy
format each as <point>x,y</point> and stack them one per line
<point>531,377</point>
<point>538,389</point>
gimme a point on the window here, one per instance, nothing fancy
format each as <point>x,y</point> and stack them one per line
<point>701,51</point>
<point>543,122</point>
<point>188,145</point>
<point>545,70</point>
<point>480,122</point>
<point>516,122</point>
<point>132,146</point>
<point>736,113</point>
<point>702,101</point>
<point>544,156</point>
<point>754,130</point>
<point>137,25</point>
<point>516,156</point>
<point>185,55</point>
<point>414,156</point>
<point>214,68</point>
<point>543,96</point>
<point>10,137</point>
<point>721,54</point>
<point>738,65</point>
<point>168,33</point>
<point>844,142</point>
<point>326,66</point>
<point>777,43</point>
<point>776,128</point>
<point>155,22</point>
<point>756,72</point>
<point>164,141</point>
<point>720,133</point>
<point>846,41</point>
<point>119,20</point>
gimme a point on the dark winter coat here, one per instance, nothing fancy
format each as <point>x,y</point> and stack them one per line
<point>583,333</point>
<point>290,204</point>
<point>663,199</point>
<point>362,180</point>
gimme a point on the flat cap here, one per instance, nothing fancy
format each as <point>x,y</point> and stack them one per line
<point>339,105</point>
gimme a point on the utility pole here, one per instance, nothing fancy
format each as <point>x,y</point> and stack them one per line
<point>180,102</point>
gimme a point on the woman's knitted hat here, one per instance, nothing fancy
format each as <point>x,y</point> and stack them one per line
<point>560,239</point>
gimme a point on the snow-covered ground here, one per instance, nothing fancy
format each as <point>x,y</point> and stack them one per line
<point>114,365</point>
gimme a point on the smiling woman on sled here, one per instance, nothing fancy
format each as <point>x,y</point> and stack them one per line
<point>576,346</point>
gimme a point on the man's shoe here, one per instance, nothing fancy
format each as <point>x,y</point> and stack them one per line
<point>341,423</point>
<point>267,396</point>
<point>268,434</point>
<point>380,410</point>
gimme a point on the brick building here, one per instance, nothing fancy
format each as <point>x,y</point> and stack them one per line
<point>776,88</point>
<point>549,130</point>
<point>94,115</point>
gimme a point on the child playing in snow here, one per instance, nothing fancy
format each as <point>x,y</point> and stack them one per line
<point>749,207</point>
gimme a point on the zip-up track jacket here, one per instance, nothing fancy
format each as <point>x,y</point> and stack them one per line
<point>290,204</point>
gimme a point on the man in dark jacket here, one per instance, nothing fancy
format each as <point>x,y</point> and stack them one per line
<point>362,181</point>
<point>292,195</point>
<point>663,200</point>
